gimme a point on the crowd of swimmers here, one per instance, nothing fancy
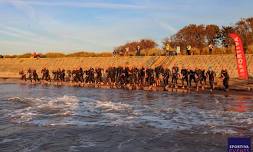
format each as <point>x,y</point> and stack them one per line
<point>132,77</point>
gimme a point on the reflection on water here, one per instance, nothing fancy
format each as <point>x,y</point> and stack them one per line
<point>241,106</point>
<point>78,119</point>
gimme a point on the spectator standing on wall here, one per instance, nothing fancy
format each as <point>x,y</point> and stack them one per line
<point>210,49</point>
<point>178,50</point>
<point>114,53</point>
<point>138,51</point>
<point>127,51</point>
<point>188,50</point>
<point>167,49</point>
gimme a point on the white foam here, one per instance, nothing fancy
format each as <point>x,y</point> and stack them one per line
<point>72,110</point>
<point>64,105</point>
<point>14,98</point>
<point>112,106</point>
<point>225,131</point>
<point>7,140</point>
<point>20,99</point>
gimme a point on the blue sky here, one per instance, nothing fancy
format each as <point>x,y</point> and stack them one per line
<point>101,25</point>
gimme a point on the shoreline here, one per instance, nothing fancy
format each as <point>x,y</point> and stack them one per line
<point>234,90</point>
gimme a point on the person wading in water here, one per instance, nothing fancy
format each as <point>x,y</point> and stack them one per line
<point>175,74</point>
<point>184,76</point>
<point>210,74</point>
<point>35,76</point>
<point>30,74</point>
<point>166,76</point>
<point>225,77</point>
<point>191,77</point>
<point>23,75</point>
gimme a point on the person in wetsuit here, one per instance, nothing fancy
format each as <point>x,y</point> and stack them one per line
<point>43,72</point>
<point>135,72</point>
<point>127,75</point>
<point>184,74</point>
<point>157,73</point>
<point>175,74</point>
<point>35,76</point>
<point>141,76</point>
<point>203,73</point>
<point>148,76</point>
<point>225,77</point>
<point>47,75</point>
<point>30,74</point>
<point>62,75</point>
<point>198,78</point>
<point>23,75</point>
<point>80,75</point>
<point>99,75</point>
<point>166,76</point>
<point>210,74</point>
<point>122,77</point>
<point>191,77</point>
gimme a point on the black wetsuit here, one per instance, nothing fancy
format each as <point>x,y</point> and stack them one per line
<point>23,75</point>
<point>30,75</point>
<point>166,76</point>
<point>47,75</point>
<point>127,75</point>
<point>99,75</point>
<point>157,72</point>
<point>203,75</point>
<point>185,74</point>
<point>80,75</point>
<point>142,76</point>
<point>198,77</point>
<point>174,75</point>
<point>211,75</point>
<point>43,71</point>
<point>150,76</point>
<point>62,75</point>
<point>134,76</point>
<point>35,76</point>
<point>225,76</point>
<point>191,77</point>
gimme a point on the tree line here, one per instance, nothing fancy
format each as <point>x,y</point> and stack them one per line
<point>199,37</point>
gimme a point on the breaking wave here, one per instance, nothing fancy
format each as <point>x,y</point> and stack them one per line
<point>79,111</point>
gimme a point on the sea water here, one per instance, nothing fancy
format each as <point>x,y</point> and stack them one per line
<point>46,118</point>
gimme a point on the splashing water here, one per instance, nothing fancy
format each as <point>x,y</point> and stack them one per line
<point>85,108</point>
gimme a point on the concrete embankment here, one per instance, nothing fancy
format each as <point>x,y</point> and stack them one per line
<point>9,67</point>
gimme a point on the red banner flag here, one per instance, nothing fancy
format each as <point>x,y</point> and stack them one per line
<point>240,56</point>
